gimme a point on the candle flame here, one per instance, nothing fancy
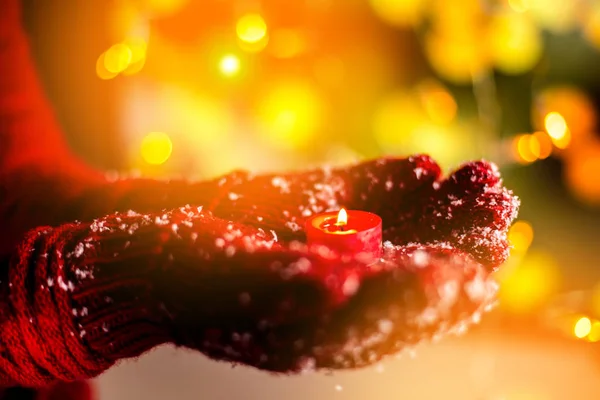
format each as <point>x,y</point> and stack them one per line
<point>342,218</point>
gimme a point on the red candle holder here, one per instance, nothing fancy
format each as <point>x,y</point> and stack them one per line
<point>349,232</point>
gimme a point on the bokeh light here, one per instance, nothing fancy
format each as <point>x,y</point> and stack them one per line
<point>101,70</point>
<point>592,26</point>
<point>254,47</point>
<point>437,101</point>
<point>117,58</point>
<point>458,59</point>
<point>138,48</point>
<point>458,19</point>
<point>520,236</point>
<point>156,148</point>
<point>251,28</point>
<point>396,117</point>
<point>399,12</point>
<point>528,285</point>
<point>582,327</point>
<point>555,16</point>
<point>575,108</point>
<point>515,43</point>
<point>594,335</point>
<point>526,148</point>
<point>518,5</point>
<point>557,129</point>
<point>556,126</point>
<point>581,173</point>
<point>545,144</point>
<point>405,122</point>
<point>229,65</point>
<point>163,8</point>
<point>289,114</point>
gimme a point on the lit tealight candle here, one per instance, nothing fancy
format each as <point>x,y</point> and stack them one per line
<point>348,232</point>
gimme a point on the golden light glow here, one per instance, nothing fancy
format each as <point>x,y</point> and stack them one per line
<point>437,102</point>
<point>164,7</point>
<point>545,144</point>
<point>404,123</point>
<point>101,70</point>
<point>329,70</point>
<point>557,129</point>
<point>399,12</point>
<point>519,5</point>
<point>530,284</point>
<point>254,47</point>
<point>251,28</point>
<point>526,148</point>
<point>564,141</point>
<point>289,114</point>
<point>117,58</point>
<point>229,65</point>
<point>520,236</point>
<point>515,43</point>
<point>156,148</point>
<point>287,43</point>
<point>594,335</point>
<point>396,118</point>
<point>582,327</point>
<point>556,16</point>
<point>342,218</point>
<point>556,126</point>
<point>592,26</point>
<point>123,17</point>
<point>458,59</point>
<point>596,300</point>
<point>138,47</point>
<point>579,174</point>
<point>575,108</point>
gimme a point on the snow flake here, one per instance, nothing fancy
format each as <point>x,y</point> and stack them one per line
<point>78,250</point>
<point>281,183</point>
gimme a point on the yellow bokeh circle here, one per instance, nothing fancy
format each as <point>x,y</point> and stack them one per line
<point>156,148</point>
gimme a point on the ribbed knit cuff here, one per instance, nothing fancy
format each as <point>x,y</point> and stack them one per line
<point>72,304</point>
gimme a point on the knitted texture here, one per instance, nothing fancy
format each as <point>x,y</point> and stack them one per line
<point>95,270</point>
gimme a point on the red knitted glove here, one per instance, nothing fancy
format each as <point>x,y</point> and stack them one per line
<point>76,297</point>
<point>81,296</point>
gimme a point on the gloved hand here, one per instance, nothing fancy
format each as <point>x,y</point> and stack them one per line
<point>231,277</point>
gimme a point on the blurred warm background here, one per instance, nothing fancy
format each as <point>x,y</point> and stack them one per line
<point>199,87</point>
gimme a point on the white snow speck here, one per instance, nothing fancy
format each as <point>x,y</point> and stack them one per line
<point>78,250</point>
<point>293,226</point>
<point>281,183</point>
<point>419,172</point>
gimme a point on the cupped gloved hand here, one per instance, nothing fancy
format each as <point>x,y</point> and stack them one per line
<point>230,275</point>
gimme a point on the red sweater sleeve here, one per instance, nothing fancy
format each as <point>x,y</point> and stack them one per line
<point>78,297</point>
